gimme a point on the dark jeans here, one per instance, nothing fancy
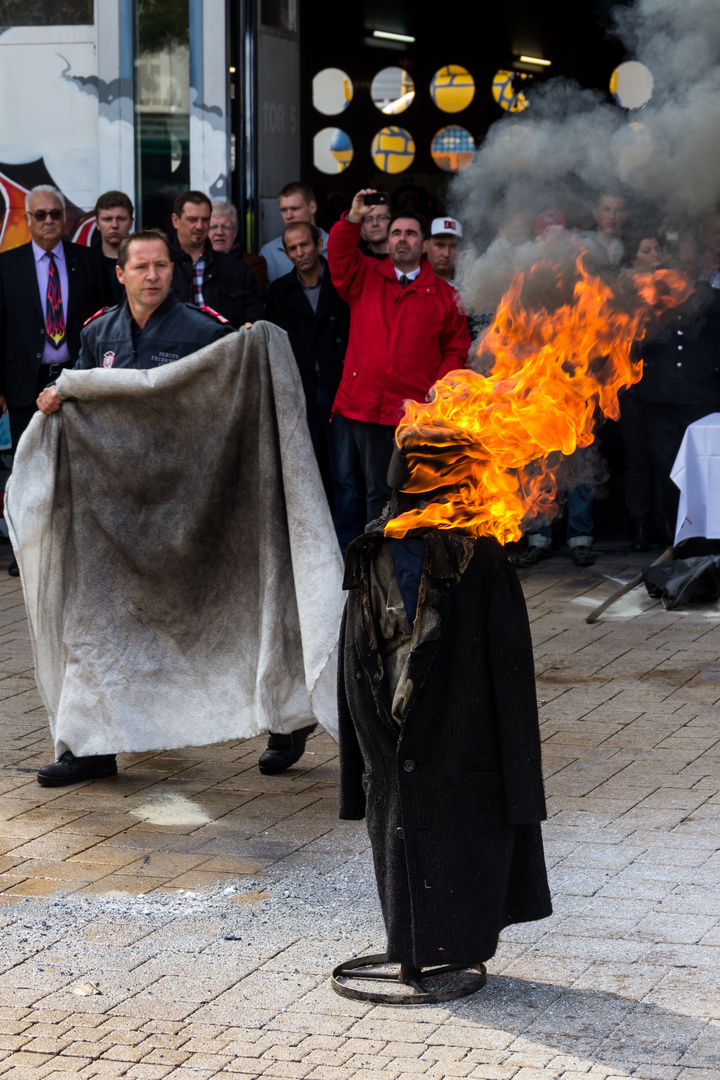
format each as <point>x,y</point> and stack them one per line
<point>342,463</point>
<point>374,443</point>
<point>579,508</point>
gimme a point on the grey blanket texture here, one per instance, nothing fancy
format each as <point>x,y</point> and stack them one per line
<point>181,572</point>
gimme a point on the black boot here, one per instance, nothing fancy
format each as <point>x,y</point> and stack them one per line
<point>70,769</point>
<point>284,750</point>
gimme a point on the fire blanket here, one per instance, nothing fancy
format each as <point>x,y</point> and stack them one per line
<point>181,571</point>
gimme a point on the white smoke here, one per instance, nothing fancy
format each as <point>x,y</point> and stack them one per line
<point>570,144</point>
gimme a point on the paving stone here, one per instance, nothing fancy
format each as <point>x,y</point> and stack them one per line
<point>623,981</point>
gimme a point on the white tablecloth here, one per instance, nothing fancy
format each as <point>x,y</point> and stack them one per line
<point>697,473</point>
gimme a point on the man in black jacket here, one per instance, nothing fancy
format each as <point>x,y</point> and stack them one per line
<point>210,278</point>
<point>48,288</point>
<point>113,221</point>
<point>305,304</point>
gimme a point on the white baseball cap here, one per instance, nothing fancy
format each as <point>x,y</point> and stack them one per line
<point>445,226</point>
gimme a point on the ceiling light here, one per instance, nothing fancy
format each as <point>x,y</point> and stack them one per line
<point>392,37</point>
<point>535,60</point>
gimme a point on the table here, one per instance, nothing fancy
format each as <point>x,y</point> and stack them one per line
<point>696,472</point>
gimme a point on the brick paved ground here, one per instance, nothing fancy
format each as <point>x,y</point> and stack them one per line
<point>207,903</point>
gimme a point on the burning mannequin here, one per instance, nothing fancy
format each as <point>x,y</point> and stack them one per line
<point>439,741</point>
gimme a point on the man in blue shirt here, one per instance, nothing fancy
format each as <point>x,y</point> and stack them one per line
<point>296,203</point>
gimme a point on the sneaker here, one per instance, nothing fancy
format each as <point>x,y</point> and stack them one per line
<point>582,556</point>
<point>532,556</point>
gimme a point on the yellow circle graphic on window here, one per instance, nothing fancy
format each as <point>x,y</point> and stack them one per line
<point>452,88</point>
<point>505,93</point>
<point>393,149</point>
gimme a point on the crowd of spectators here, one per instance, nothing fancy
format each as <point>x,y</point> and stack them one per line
<point>373,315</point>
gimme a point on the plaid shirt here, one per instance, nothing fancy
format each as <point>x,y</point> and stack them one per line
<point>198,271</point>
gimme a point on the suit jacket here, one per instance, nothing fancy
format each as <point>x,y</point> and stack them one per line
<point>318,339</point>
<point>22,323</point>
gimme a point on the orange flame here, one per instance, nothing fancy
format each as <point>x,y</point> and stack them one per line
<point>495,442</point>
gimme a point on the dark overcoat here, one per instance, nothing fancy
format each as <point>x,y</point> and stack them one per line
<point>318,338</point>
<point>454,797</point>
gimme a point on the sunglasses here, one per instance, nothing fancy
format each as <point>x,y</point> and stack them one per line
<point>40,215</point>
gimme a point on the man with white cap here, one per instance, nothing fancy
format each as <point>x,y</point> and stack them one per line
<point>442,249</point>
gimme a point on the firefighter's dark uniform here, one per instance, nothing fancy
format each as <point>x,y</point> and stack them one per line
<point>112,338</point>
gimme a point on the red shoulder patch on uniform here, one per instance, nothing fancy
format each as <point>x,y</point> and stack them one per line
<point>218,316</point>
<point>94,316</point>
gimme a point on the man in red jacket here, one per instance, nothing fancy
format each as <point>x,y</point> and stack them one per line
<point>406,332</point>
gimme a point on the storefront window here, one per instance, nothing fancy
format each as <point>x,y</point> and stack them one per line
<point>332,150</point>
<point>279,15</point>
<point>162,107</point>
<point>46,13</point>
<point>453,148</point>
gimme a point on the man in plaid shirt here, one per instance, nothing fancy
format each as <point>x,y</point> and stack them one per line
<point>206,277</point>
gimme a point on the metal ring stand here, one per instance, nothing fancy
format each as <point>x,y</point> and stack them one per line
<point>362,968</point>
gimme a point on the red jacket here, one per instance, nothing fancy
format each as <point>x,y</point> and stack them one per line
<point>401,340</point>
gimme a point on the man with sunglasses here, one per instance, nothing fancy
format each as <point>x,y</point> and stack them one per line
<point>48,288</point>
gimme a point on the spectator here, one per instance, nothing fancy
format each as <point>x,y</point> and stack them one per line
<point>224,225</point>
<point>405,333</point>
<point>442,252</point>
<point>296,202</point>
<point>48,288</point>
<point>305,304</point>
<point>645,253</point>
<point>551,227</point>
<point>206,277</point>
<point>709,234</point>
<point>374,231</point>
<point>680,384</point>
<point>113,220</point>
<point>610,213</point>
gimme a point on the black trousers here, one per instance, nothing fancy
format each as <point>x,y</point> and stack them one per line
<point>21,415</point>
<point>665,425</point>
<point>638,461</point>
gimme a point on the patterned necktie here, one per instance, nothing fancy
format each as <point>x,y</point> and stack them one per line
<point>404,281</point>
<point>54,315</point>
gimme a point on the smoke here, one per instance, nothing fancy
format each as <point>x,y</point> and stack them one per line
<point>570,144</point>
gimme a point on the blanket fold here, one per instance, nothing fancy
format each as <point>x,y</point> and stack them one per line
<point>181,573</point>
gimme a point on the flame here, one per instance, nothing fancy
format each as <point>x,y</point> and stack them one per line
<point>560,350</point>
